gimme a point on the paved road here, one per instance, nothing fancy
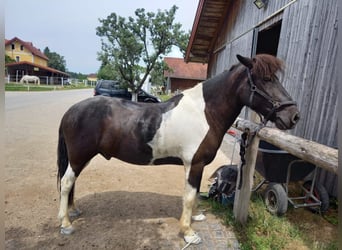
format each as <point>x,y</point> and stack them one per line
<point>17,101</point>
<point>31,126</point>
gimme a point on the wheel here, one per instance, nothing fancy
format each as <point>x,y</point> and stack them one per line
<point>276,199</point>
<point>321,194</point>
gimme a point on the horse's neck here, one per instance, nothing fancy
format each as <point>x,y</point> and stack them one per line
<point>222,100</point>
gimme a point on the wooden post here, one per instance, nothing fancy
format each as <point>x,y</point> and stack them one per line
<point>242,196</point>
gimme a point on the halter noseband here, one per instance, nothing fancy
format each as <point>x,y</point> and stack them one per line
<point>276,105</point>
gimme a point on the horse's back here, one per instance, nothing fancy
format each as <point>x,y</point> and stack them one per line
<point>87,111</point>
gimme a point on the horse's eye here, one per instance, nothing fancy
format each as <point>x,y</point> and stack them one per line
<point>267,78</point>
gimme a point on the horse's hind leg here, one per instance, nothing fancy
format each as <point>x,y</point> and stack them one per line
<point>73,210</point>
<point>67,182</point>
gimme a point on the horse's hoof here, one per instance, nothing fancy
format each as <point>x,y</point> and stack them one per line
<point>67,230</point>
<point>193,239</point>
<point>75,213</point>
<point>199,217</point>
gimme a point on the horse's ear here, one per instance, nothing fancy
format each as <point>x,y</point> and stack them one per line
<point>245,61</point>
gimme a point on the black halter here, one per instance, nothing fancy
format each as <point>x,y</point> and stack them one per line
<point>276,105</point>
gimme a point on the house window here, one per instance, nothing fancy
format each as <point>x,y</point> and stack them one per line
<point>21,47</point>
<point>13,46</point>
<point>17,58</point>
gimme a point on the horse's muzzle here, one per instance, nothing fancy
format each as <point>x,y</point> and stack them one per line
<point>287,118</point>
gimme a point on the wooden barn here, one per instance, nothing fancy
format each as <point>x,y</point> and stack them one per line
<point>303,33</point>
<point>181,75</point>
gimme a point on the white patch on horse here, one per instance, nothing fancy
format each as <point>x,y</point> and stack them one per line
<point>183,128</point>
<point>67,181</point>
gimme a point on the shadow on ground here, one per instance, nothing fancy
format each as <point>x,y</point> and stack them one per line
<point>110,220</point>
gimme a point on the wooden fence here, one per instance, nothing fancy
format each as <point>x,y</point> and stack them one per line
<point>320,155</point>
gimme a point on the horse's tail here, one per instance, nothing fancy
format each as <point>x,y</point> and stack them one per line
<point>62,163</point>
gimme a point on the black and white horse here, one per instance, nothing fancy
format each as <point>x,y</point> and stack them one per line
<point>186,130</point>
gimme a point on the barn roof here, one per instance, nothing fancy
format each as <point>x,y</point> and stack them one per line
<point>25,64</point>
<point>29,46</point>
<point>183,70</point>
<point>208,21</point>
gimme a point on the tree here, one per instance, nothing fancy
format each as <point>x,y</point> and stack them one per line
<point>8,59</point>
<point>56,61</point>
<point>106,71</point>
<point>157,73</point>
<point>134,47</point>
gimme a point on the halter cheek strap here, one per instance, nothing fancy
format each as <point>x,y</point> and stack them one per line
<point>276,105</point>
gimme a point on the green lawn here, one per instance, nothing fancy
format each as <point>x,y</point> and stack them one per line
<point>297,229</point>
<point>42,87</point>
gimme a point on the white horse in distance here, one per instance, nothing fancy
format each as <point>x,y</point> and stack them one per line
<point>26,79</point>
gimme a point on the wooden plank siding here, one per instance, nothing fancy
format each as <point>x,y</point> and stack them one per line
<point>308,45</point>
<point>310,53</point>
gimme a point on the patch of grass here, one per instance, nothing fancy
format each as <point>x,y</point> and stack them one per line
<point>164,97</point>
<point>265,231</point>
<point>332,214</point>
<point>21,87</point>
<point>42,87</point>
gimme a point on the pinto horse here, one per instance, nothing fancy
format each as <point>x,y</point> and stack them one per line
<point>186,130</point>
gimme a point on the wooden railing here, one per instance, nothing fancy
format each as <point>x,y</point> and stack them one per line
<point>320,155</point>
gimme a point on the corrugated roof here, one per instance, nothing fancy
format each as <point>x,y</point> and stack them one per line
<point>183,70</point>
<point>29,46</point>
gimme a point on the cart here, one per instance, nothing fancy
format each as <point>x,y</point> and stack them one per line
<point>278,168</point>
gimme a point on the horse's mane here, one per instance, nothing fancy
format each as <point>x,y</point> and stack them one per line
<point>267,65</point>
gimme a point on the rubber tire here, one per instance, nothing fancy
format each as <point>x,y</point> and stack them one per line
<point>276,199</point>
<point>320,193</point>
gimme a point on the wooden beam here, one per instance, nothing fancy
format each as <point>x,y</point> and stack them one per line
<point>320,155</point>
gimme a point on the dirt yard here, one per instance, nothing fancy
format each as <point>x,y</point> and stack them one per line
<point>123,206</point>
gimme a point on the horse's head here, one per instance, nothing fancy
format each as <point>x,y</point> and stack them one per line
<point>263,92</point>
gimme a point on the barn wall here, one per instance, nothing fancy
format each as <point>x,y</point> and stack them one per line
<point>311,71</point>
<point>308,45</point>
<point>311,66</point>
<point>237,35</point>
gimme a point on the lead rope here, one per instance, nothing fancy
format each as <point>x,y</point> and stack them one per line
<point>246,137</point>
<point>243,146</point>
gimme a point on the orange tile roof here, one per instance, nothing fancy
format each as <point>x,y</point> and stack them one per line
<point>92,75</point>
<point>29,46</point>
<point>183,70</point>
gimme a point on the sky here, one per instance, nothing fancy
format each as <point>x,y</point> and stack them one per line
<point>68,27</point>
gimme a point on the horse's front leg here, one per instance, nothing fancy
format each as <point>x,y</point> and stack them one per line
<point>192,184</point>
